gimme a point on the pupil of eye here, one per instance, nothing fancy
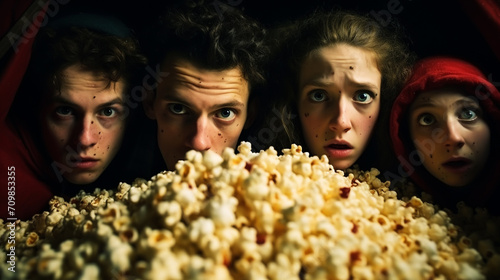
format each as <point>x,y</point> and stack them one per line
<point>177,108</point>
<point>468,114</point>
<point>363,97</point>
<point>318,96</point>
<point>108,112</point>
<point>225,113</point>
<point>64,111</point>
<point>427,119</point>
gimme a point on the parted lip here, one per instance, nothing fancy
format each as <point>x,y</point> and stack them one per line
<point>339,144</point>
<point>83,162</point>
<point>84,159</point>
<point>456,162</point>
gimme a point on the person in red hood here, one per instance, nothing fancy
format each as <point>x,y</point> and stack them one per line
<point>442,126</point>
<point>19,160</point>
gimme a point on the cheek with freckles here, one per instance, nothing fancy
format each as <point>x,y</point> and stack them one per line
<point>365,126</point>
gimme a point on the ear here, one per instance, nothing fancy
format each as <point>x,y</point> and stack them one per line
<point>148,104</point>
<point>251,112</point>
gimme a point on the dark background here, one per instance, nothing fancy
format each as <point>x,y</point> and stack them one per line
<point>432,27</point>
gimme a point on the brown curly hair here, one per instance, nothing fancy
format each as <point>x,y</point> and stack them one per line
<point>108,55</point>
<point>213,39</point>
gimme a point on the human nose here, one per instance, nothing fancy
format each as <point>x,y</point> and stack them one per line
<point>455,137</point>
<point>340,121</point>
<point>87,135</point>
<point>200,139</point>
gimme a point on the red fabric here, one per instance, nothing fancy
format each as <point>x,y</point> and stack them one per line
<point>11,12</point>
<point>485,14</point>
<point>434,73</point>
<point>17,149</point>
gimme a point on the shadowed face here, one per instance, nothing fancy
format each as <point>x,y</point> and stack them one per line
<point>83,124</point>
<point>450,135</point>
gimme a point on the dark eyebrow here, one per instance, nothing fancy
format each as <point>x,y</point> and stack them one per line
<point>466,103</point>
<point>230,104</point>
<point>364,85</point>
<point>174,98</point>
<point>64,101</point>
<point>458,103</point>
<point>116,101</point>
<point>316,83</point>
<point>59,99</point>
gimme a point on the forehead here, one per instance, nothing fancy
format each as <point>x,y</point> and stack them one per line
<point>75,81</point>
<point>352,64</point>
<point>185,80</point>
<point>443,98</point>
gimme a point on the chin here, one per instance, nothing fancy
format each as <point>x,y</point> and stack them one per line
<point>456,184</point>
<point>82,179</point>
<point>342,165</point>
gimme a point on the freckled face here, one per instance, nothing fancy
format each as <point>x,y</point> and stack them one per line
<point>451,136</point>
<point>339,102</point>
<point>197,109</point>
<point>83,125</point>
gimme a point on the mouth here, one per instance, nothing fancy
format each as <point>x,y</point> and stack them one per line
<point>83,159</point>
<point>84,162</point>
<point>340,146</point>
<point>457,164</point>
<point>339,149</point>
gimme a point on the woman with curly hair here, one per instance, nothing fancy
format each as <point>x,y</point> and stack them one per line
<point>335,75</point>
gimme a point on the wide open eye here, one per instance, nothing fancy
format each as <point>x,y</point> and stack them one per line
<point>426,119</point>
<point>467,114</point>
<point>226,114</point>
<point>108,112</point>
<point>363,96</point>
<point>317,95</point>
<point>177,108</point>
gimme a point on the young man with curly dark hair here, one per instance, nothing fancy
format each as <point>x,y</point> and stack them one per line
<point>71,113</point>
<point>211,63</point>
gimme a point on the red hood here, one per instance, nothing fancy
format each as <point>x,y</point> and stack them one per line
<point>434,73</point>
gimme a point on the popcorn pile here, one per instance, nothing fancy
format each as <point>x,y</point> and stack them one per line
<point>247,216</point>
